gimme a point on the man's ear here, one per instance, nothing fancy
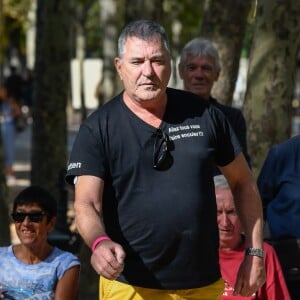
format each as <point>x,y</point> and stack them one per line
<point>118,63</point>
<point>180,70</point>
<point>217,75</point>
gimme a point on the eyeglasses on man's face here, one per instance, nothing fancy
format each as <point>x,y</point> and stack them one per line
<point>33,216</point>
<point>162,158</point>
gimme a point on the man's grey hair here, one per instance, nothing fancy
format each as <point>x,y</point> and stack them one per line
<point>200,47</point>
<point>220,181</point>
<point>142,29</point>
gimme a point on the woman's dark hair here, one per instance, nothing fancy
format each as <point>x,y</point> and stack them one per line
<point>37,195</point>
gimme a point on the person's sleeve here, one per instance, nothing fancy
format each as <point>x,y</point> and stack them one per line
<point>87,155</point>
<point>275,286</point>
<point>266,179</point>
<point>241,133</point>
<point>68,261</point>
<point>228,146</point>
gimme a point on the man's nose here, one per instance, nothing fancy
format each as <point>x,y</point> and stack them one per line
<point>147,68</point>
<point>223,218</point>
<point>199,73</point>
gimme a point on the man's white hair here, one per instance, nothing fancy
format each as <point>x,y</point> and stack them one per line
<point>221,182</point>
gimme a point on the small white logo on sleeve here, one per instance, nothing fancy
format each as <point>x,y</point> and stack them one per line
<point>76,165</point>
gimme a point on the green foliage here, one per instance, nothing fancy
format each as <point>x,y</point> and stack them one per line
<point>188,13</point>
<point>86,14</point>
<point>17,10</point>
<point>15,22</point>
<point>93,32</point>
<point>247,40</point>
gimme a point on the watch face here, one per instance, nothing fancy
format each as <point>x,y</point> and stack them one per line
<point>254,252</point>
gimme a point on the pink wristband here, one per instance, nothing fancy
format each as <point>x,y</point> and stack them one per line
<point>99,240</point>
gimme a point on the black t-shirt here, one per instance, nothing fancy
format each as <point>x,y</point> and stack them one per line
<point>238,124</point>
<point>164,219</point>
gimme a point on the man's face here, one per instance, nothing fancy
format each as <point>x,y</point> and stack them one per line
<point>145,69</point>
<point>229,225</point>
<point>198,75</point>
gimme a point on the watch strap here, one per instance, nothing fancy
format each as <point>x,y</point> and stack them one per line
<point>255,252</point>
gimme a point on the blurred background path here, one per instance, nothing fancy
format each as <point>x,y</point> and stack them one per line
<point>22,165</point>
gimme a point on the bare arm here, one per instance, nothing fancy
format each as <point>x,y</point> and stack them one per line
<point>88,207</point>
<point>16,108</point>
<point>251,274</point>
<point>67,286</point>
<point>108,257</point>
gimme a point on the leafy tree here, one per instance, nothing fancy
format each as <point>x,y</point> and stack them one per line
<point>187,15</point>
<point>225,25</point>
<point>271,75</point>
<point>109,23</point>
<point>11,24</point>
<point>140,9</point>
<point>52,64</point>
<point>80,10</point>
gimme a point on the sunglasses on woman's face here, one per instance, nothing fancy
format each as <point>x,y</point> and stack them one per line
<point>33,216</point>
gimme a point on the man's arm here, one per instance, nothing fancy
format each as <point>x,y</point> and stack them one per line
<point>251,274</point>
<point>108,256</point>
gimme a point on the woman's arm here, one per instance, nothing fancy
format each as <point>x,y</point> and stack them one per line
<point>67,286</point>
<point>15,107</point>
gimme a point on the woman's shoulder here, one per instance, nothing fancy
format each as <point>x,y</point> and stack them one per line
<point>7,250</point>
<point>63,256</point>
<point>62,261</point>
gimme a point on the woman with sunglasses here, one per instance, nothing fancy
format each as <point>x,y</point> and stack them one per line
<point>34,269</point>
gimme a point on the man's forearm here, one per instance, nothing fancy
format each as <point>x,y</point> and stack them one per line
<point>249,208</point>
<point>89,223</point>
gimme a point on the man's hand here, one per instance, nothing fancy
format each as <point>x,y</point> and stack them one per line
<point>108,259</point>
<point>251,276</point>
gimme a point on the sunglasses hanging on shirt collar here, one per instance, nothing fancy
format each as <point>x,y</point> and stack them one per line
<point>162,158</point>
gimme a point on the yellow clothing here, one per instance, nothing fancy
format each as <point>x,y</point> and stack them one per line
<point>115,290</point>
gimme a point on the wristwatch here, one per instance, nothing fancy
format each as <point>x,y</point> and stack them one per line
<point>255,252</point>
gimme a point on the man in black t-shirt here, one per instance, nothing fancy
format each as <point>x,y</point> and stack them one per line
<point>143,167</point>
<point>199,68</point>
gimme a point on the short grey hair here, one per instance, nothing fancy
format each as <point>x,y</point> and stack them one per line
<point>200,47</point>
<point>142,29</point>
<point>220,181</point>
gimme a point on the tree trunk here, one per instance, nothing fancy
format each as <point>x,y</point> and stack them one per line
<point>110,29</point>
<point>52,64</point>
<point>80,55</point>
<point>271,76</point>
<point>225,26</point>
